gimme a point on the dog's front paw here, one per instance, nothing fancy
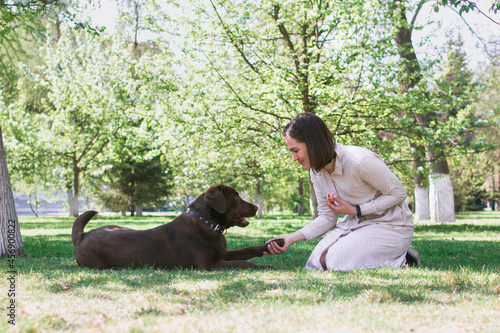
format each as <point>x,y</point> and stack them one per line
<point>279,241</point>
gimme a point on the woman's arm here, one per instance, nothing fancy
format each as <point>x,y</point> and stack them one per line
<point>375,172</point>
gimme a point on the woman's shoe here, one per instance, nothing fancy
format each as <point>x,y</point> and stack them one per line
<point>412,258</point>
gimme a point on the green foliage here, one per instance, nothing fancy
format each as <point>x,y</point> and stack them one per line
<point>20,27</point>
<point>82,106</point>
<point>212,93</point>
<point>475,172</point>
<point>77,110</point>
<point>136,183</point>
<point>260,64</point>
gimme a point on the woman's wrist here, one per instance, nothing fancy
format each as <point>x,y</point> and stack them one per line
<point>295,237</point>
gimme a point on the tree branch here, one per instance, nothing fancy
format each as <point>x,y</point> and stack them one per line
<point>236,44</point>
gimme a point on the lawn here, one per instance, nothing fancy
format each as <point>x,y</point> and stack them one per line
<point>457,289</point>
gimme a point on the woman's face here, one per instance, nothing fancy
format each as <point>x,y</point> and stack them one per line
<point>299,151</point>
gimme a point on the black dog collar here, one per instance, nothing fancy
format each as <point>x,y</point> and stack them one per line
<point>216,227</point>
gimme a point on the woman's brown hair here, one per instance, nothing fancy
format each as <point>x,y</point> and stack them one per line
<point>312,130</point>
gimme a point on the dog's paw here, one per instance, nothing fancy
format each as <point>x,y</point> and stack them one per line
<point>280,242</point>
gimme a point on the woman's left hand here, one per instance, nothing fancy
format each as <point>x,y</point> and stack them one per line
<point>342,207</point>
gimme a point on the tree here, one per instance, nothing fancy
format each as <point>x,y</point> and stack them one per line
<point>441,203</point>
<point>487,109</point>
<point>321,57</point>
<point>11,243</point>
<point>78,113</point>
<point>17,20</point>
<point>262,63</point>
<point>245,70</point>
<point>136,184</point>
<point>136,180</point>
<point>20,21</point>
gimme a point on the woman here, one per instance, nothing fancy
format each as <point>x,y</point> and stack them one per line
<point>377,228</point>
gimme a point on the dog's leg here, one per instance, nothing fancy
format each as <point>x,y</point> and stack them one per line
<point>245,253</point>
<point>250,252</point>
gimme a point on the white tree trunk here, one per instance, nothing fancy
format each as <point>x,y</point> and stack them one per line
<point>73,188</point>
<point>421,203</point>
<point>138,209</point>
<point>313,202</point>
<point>11,243</point>
<point>72,203</point>
<point>441,201</point>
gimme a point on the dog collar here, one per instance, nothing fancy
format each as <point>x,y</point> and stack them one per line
<point>216,227</point>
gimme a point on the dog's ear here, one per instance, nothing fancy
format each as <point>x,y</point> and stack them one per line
<point>215,198</point>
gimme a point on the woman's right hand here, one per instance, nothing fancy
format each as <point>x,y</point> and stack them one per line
<point>273,247</point>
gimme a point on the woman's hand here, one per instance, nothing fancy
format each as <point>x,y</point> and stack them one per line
<point>339,206</point>
<point>273,247</point>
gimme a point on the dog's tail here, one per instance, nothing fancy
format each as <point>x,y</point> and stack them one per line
<point>79,224</point>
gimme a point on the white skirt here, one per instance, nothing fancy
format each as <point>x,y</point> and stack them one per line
<point>352,245</point>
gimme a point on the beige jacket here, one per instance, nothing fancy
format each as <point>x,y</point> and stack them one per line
<point>361,178</point>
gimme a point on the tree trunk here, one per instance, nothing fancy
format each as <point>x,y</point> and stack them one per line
<point>73,189</point>
<point>421,187</point>
<point>411,75</point>
<point>494,203</point>
<point>260,214</point>
<point>313,202</point>
<point>35,208</point>
<point>56,30</point>
<point>138,209</point>
<point>441,200</point>
<point>421,202</point>
<point>11,243</point>
<point>494,174</point>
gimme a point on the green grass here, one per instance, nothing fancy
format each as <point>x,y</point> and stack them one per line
<point>456,289</point>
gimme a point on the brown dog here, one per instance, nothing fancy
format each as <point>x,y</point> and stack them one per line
<point>193,240</point>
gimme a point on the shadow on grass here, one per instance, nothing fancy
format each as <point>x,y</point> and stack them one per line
<point>52,267</point>
<point>457,254</point>
<point>448,228</point>
<point>445,253</point>
<point>213,289</point>
<point>52,260</point>
<point>58,252</point>
<point>55,270</point>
